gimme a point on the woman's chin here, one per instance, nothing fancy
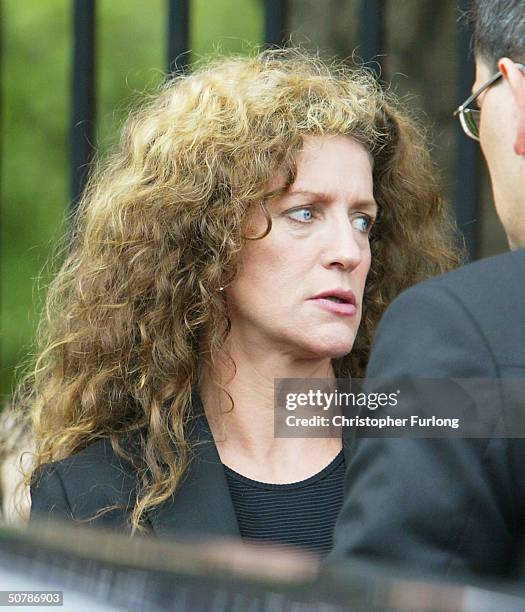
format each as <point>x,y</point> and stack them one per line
<point>333,348</point>
<point>338,352</point>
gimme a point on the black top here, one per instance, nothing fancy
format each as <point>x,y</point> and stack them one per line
<point>300,514</point>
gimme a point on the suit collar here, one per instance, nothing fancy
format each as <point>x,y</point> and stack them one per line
<point>202,503</point>
<point>347,449</point>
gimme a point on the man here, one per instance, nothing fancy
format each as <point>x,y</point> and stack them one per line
<point>457,506</point>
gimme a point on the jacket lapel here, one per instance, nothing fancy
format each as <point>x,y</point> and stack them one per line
<point>347,450</point>
<point>202,504</point>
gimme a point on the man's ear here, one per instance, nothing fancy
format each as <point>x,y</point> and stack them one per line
<point>516,81</point>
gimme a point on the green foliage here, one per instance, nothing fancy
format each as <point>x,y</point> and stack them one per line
<point>131,59</point>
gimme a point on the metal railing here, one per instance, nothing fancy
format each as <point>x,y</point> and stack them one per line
<point>84,107</point>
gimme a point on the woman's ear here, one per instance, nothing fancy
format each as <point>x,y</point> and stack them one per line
<point>516,81</point>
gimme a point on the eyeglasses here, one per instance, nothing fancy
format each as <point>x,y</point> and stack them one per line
<point>469,117</point>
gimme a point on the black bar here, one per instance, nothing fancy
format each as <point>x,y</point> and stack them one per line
<point>178,35</point>
<point>83,79</point>
<point>371,33</point>
<point>275,22</point>
<point>467,172</point>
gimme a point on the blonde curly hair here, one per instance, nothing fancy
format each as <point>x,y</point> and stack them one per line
<point>158,232</point>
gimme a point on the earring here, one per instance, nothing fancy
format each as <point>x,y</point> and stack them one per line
<point>221,288</point>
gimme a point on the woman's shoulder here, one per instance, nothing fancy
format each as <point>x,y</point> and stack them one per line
<point>78,486</point>
<point>98,459</point>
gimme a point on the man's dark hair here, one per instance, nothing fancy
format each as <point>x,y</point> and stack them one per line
<point>499,29</point>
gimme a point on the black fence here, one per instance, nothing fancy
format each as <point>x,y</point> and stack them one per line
<point>371,27</point>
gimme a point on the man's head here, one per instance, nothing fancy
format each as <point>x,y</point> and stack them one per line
<point>499,30</point>
<point>499,45</point>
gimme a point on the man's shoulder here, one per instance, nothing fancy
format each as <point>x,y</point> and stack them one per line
<point>471,318</point>
<point>482,282</point>
<point>491,269</point>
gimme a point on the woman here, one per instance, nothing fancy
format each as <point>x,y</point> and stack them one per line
<point>232,239</point>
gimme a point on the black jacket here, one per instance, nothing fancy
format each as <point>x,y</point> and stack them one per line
<point>448,506</point>
<point>75,488</point>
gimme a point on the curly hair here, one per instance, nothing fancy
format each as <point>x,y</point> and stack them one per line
<point>158,231</point>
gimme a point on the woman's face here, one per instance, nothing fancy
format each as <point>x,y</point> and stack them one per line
<point>299,290</point>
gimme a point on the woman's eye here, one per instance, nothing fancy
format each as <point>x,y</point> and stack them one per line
<point>363,224</point>
<point>303,215</point>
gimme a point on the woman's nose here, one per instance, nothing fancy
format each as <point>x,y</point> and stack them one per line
<point>344,246</point>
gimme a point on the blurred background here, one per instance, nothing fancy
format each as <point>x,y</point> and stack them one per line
<point>419,47</point>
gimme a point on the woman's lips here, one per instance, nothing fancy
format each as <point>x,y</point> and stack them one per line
<point>339,308</point>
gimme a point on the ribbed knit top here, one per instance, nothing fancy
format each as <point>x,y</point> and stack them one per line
<point>301,513</point>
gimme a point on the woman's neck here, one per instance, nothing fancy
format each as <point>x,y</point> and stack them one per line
<point>244,435</point>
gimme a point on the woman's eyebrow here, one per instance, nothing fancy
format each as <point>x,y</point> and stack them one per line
<point>322,196</point>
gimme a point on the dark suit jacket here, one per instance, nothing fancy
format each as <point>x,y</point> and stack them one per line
<point>75,488</point>
<point>448,506</point>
